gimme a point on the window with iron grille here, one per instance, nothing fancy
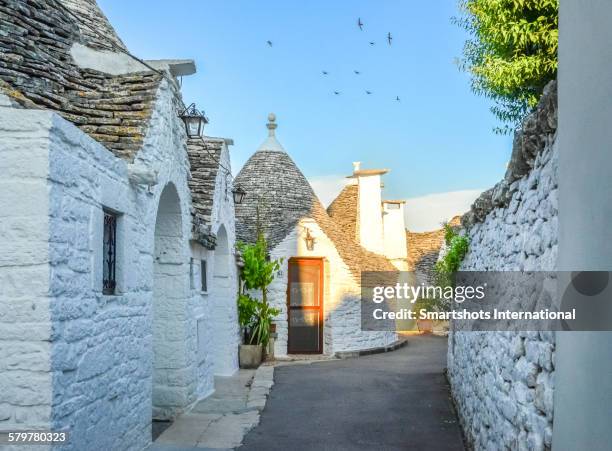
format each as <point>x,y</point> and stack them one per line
<point>203,275</point>
<point>109,253</point>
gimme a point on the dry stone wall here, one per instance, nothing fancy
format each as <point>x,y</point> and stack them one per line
<point>503,382</point>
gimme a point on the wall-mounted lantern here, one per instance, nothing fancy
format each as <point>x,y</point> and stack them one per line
<point>310,240</point>
<point>194,121</point>
<point>239,195</point>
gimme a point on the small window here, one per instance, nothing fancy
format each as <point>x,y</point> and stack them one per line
<point>109,253</point>
<point>393,206</point>
<point>191,274</point>
<point>203,276</point>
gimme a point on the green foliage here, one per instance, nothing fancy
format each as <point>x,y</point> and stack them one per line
<point>255,316</point>
<point>457,248</point>
<point>247,307</point>
<point>512,54</point>
<point>258,271</point>
<point>260,332</point>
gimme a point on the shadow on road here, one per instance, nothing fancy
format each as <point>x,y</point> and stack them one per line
<point>398,400</point>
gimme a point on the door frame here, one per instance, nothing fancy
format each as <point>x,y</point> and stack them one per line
<point>320,261</point>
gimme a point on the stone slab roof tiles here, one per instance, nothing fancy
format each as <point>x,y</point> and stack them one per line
<point>278,189</point>
<point>424,248</point>
<point>204,159</point>
<point>343,210</point>
<point>37,71</point>
<point>95,28</point>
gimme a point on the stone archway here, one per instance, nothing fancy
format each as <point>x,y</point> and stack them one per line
<point>222,254</point>
<point>170,391</point>
<point>223,308</point>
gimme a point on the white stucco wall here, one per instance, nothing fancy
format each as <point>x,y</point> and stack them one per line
<point>342,305</point>
<point>583,393</point>
<point>72,357</point>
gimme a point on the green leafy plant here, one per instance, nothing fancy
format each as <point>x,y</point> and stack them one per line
<point>264,315</point>
<point>512,54</point>
<point>258,272</point>
<point>247,308</point>
<point>458,246</point>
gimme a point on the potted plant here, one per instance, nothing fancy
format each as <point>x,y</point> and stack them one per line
<point>250,355</point>
<point>428,305</point>
<point>255,315</point>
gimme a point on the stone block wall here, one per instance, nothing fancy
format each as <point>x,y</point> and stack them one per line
<point>503,382</point>
<point>25,320</point>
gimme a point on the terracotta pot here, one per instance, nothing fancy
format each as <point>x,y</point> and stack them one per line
<point>250,356</point>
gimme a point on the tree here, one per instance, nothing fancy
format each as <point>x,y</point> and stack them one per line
<point>512,54</point>
<point>258,273</point>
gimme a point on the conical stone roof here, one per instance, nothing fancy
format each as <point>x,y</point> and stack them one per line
<point>277,193</point>
<point>279,196</point>
<point>95,28</point>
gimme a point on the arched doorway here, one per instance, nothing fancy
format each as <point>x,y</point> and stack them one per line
<point>223,308</point>
<point>170,390</point>
<point>221,263</point>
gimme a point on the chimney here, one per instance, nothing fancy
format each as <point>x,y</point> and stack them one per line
<point>394,227</point>
<point>370,231</point>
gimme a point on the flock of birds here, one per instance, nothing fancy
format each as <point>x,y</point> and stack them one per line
<point>360,25</point>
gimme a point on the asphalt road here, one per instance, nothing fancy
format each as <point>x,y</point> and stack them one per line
<point>394,401</point>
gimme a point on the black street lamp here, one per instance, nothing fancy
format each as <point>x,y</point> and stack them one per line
<point>194,121</point>
<point>239,194</point>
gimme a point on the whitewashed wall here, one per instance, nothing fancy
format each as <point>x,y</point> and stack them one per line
<point>222,299</point>
<point>75,358</point>
<point>25,318</point>
<point>342,305</point>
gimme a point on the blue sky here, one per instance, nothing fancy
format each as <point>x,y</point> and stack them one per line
<point>437,139</point>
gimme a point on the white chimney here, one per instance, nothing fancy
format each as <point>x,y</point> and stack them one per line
<point>395,233</point>
<point>370,229</point>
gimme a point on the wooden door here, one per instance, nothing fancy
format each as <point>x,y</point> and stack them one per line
<point>305,306</point>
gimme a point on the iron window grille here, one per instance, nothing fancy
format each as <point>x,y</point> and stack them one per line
<point>109,272</point>
<point>204,281</point>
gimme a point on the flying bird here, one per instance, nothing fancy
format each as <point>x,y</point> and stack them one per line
<point>368,92</point>
<point>397,99</point>
<point>360,24</point>
<point>337,93</point>
<point>389,38</point>
<point>372,43</point>
<point>269,43</point>
<point>325,72</point>
<point>357,72</point>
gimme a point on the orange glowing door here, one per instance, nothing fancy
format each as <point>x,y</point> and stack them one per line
<point>305,306</point>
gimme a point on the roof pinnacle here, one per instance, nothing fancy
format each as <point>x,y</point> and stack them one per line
<point>271,124</point>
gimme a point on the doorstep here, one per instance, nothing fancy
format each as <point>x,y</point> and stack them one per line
<point>379,350</point>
